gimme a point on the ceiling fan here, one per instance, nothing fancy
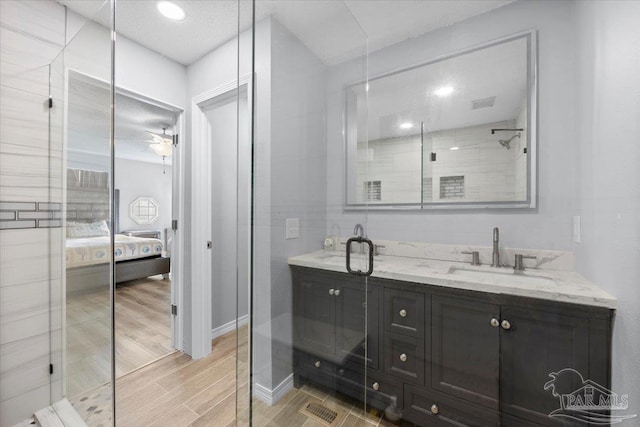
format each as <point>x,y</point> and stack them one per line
<point>162,144</point>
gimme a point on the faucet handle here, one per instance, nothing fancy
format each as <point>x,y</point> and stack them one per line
<point>519,263</point>
<point>376,247</point>
<point>475,257</point>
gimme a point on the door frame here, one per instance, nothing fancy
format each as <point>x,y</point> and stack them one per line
<point>177,198</point>
<point>201,292</point>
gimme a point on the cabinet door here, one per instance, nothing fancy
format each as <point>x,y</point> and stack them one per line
<point>351,314</point>
<point>536,344</point>
<point>315,315</point>
<point>465,349</point>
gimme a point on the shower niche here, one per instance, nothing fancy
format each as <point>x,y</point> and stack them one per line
<point>458,131</point>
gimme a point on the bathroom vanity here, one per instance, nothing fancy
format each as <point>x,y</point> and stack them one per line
<point>447,343</point>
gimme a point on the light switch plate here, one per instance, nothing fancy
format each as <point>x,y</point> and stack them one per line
<point>292,228</point>
<point>576,229</point>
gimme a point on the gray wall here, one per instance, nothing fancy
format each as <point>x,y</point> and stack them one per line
<point>298,182</point>
<point>608,177</point>
<point>135,179</point>
<point>549,225</point>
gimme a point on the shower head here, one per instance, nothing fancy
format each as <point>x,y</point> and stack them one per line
<point>506,143</point>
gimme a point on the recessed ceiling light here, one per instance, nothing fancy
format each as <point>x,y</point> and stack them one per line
<point>454,148</point>
<point>406,125</point>
<point>444,91</point>
<point>171,10</point>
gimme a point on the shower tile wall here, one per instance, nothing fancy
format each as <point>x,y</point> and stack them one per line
<point>490,171</point>
<point>32,33</point>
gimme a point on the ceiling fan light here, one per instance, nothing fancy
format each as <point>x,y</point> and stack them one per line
<point>161,149</point>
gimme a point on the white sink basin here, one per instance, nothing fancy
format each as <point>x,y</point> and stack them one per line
<point>503,276</point>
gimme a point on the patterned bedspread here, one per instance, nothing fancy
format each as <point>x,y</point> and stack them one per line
<point>94,250</point>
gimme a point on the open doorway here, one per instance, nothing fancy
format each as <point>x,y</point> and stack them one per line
<point>145,250</point>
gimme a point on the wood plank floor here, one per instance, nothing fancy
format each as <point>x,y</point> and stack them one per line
<point>180,392</point>
<point>143,331</point>
<point>174,390</point>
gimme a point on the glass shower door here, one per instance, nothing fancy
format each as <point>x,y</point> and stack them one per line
<point>80,141</point>
<point>314,332</point>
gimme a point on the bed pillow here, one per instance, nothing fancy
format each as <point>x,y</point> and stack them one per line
<point>87,229</point>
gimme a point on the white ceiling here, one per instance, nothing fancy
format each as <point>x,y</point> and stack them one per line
<point>334,30</point>
<point>88,123</point>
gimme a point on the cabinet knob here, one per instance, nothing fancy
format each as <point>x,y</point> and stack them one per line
<point>332,291</point>
<point>403,357</point>
<point>434,409</point>
<point>506,324</point>
<point>403,313</point>
<point>317,364</point>
<point>337,293</point>
<point>376,386</point>
<point>495,322</point>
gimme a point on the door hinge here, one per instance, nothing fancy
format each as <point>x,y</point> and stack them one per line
<point>175,139</point>
<point>174,309</point>
<point>433,157</point>
<point>50,368</point>
<point>174,224</point>
<point>50,102</point>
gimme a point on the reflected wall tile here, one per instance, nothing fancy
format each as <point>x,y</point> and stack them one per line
<point>38,19</point>
<point>21,407</point>
<point>25,256</point>
<point>24,365</point>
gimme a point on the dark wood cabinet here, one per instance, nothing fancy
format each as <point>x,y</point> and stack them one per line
<point>448,357</point>
<point>315,314</point>
<point>330,316</point>
<point>465,349</point>
<point>536,344</point>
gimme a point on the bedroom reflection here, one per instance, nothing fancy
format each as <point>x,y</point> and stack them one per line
<point>142,212</point>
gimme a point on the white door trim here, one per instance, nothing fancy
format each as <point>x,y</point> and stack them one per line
<point>201,293</point>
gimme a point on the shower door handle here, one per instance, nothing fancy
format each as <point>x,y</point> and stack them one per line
<point>370,244</point>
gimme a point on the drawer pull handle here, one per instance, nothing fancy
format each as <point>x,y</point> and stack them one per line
<point>434,409</point>
<point>403,357</point>
<point>332,291</point>
<point>403,313</point>
<point>376,386</point>
<point>337,292</point>
<point>317,364</point>
<point>506,325</point>
<point>495,322</point>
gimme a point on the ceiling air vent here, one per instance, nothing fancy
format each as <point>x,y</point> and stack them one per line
<point>476,104</point>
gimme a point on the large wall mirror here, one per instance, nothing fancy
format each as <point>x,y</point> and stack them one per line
<point>456,132</point>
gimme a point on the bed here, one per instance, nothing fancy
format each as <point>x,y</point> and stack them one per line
<point>88,238</point>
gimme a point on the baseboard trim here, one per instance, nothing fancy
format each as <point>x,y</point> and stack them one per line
<point>229,326</point>
<point>271,397</point>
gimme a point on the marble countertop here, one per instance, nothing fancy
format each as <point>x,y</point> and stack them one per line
<point>560,286</point>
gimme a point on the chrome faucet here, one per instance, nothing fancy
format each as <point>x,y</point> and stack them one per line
<point>495,261</point>
<point>358,230</point>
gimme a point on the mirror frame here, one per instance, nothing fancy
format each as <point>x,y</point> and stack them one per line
<point>532,135</point>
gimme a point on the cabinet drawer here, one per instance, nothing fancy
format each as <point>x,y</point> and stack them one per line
<point>314,363</point>
<point>315,369</point>
<point>381,390</point>
<point>404,357</point>
<point>404,312</point>
<point>426,408</point>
